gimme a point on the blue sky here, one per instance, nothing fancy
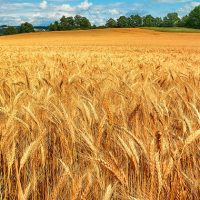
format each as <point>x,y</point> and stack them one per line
<point>42,12</point>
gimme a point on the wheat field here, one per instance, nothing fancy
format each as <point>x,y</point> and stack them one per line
<point>100,115</point>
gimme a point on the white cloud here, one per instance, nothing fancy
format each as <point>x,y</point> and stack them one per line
<point>188,7</point>
<point>13,12</point>
<point>65,7</point>
<point>195,3</point>
<point>114,11</point>
<point>85,5</point>
<point>43,4</point>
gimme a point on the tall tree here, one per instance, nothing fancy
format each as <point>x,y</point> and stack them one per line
<point>183,22</point>
<point>26,28</point>
<point>54,26</point>
<point>193,20</point>
<point>67,23</point>
<point>85,23</point>
<point>77,21</point>
<point>135,21</point>
<point>81,22</point>
<point>111,23</point>
<point>123,22</point>
<point>148,21</point>
<point>158,22</point>
<point>171,20</point>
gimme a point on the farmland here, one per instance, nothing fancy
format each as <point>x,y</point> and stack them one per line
<point>173,29</point>
<point>100,114</point>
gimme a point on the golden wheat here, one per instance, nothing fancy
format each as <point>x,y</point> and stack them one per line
<point>100,114</point>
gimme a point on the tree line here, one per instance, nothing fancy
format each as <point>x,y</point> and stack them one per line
<point>23,28</point>
<point>70,23</point>
<point>192,20</point>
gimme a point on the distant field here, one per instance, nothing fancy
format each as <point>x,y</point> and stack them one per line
<point>104,37</point>
<point>173,29</point>
<point>100,115</point>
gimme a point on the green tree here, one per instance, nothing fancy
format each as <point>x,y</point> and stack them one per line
<point>193,20</point>
<point>123,22</point>
<point>158,22</point>
<point>10,31</point>
<point>135,21</point>
<point>101,27</point>
<point>183,22</point>
<point>54,26</point>
<point>77,21</point>
<point>67,23</point>
<point>148,21</point>
<point>111,23</point>
<point>81,22</point>
<point>85,23</point>
<point>93,26</point>
<point>171,20</point>
<point>26,28</point>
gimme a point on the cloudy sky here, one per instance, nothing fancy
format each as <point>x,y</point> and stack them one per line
<point>42,12</point>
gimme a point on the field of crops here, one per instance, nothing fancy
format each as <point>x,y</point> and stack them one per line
<point>99,115</point>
